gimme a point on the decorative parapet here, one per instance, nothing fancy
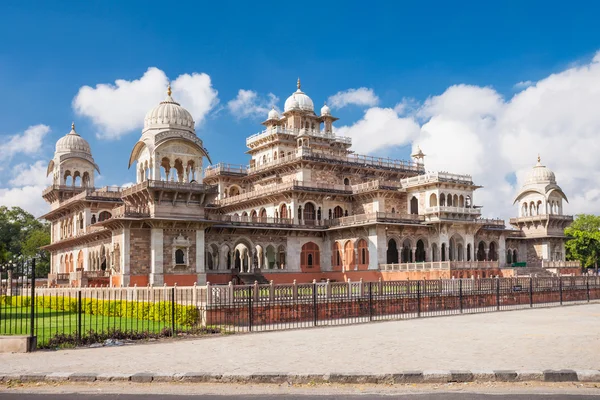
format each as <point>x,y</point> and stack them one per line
<point>440,265</point>
<point>175,186</point>
<point>278,130</point>
<point>225,169</point>
<point>433,177</point>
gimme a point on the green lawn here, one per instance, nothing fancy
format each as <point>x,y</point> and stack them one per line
<point>15,321</point>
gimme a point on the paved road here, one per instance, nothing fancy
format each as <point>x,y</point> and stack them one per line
<point>538,339</point>
<point>426,396</point>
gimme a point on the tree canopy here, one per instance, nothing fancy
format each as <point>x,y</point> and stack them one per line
<point>584,240</point>
<point>22,233</point>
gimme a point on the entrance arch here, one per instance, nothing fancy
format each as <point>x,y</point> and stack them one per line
<point>392,252</point>
<point>310,258</point>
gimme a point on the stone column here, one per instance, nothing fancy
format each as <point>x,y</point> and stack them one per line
<point>414,254</point>
<point>200,261</point>
<point>156,257</point>
<point>125,257</point>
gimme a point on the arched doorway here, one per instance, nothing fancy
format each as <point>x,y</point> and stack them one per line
<point>392,252</point>
<point>469,252</point>
<point>443,258</point>
<point>406,251</point>
<point>420,254</point>
<point>481,251</point>
<point>338,212</point>
<point>270,257</point>
<point>310,260</point>
<point>493,253</point>
<point>283,211</point>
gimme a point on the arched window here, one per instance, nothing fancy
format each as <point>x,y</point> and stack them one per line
<point>442,200</point>
<point>449,201</point>
<point>509,256</point>
<point>336,255</point>
<point>263,214</point>
<point>338,212</point>
<point>93,219</point>
<point>179,257</point>
<point>514,257</point>
<point>469,252</point>
<point>443,258</point>
<point>493,254</point>
<point>309,212</point>
<point>103,216</point>
<point>310,257</point>
<point>363,254</point>
<point>414,205</point>
<point>461,201</point>
<point>433,200</point>
<point>455,201</point>
<point>283,211</point>
<point>392,252</point>
<point>349,260</point>
<point>347,182</point>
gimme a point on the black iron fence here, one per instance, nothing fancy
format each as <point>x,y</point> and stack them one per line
<point>72,316</point>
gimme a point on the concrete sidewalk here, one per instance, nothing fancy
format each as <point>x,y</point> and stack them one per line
<point>527,340</point>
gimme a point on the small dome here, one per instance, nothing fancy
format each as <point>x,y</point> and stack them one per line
<point>73,143</point>
<point>299,101</point>
<point>540,174</point>
<point>325,110</point>
<point>169,114</point>
<point>273,114</point>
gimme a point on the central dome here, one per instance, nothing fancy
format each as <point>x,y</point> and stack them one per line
<point>73,143</point>
<point>169,114</point>
<point>299,101</point>
<point>540,174</point>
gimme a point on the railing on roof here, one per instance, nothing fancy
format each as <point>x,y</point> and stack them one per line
<point>453,210</point>
<point>225,168</point>
<point>374,185</point>
<point>431,177</point>
<point>280,187</point>
<point>541,217</point>
<point>491,222</point>
<point>297,132</point>
<point>131,212</point>
<point>440,265</point>
<point>181,186</point>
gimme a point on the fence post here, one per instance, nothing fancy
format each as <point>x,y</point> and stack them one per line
<point>460,295</point>
<point>315,312</point>
<point>79,316</point>
<point>32,316</point>
<point>530,292</point>
<point>497,293</point>
<point>560,289</point>
<point>587,287</point>
<point>250,309</point>
<point>173,311</point>
<point>370,301</point>
<point>419,299</point>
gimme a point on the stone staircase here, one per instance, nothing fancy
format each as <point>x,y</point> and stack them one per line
<point>248,278</point>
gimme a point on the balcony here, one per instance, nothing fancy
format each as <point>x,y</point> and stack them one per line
<point>375,185</point>
<point>283,187</point>
<point>225,169</point>
<point>433,177</point>
<point>278,130</point>
<point>360,219</point>
<point>440,265</point>
<point>491,222</point>
<point>131,212</point>
<point>541,217</point>
<point>172,186</point>
<point>453,210</point>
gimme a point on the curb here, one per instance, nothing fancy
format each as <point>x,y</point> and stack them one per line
<point>432,376</point>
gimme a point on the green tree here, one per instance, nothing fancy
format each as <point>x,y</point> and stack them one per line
<point>584,240</point>
<point>22,233</point>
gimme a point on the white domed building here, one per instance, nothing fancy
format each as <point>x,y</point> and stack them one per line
<point>304,206</point>
<point>541,221</point>
<point>169,149</point>
<point>73,164</point>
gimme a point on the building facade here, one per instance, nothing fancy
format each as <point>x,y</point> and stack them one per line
<point>307,207</point>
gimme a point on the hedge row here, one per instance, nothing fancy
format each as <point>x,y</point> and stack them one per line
<point>158,311</point>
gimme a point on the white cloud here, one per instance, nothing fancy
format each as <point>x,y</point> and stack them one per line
<point>360,97</point>
<point>27,185</point>
<point>28,175</point>
<point>523,85</point>
<point>120,108</point>
<point>28,142</point>
<point>378,129</point>
<point>474,130</point>
<point>248,104</point>
<point>28,198</point>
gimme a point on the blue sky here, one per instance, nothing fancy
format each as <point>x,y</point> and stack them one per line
<point>398,50</point>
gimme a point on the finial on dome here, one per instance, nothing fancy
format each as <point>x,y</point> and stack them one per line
<point>539,158</point>
<point>169,89</point>
<point>73,125</point>
<point>298,83</point>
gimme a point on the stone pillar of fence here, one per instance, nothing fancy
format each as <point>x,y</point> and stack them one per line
<point>230,294</point>
<point>256,291</point>
<point>295,290</point>
<point>328,290</point>
<point>380,287</point>
<point>271,291</point>
<point>362,288</point>
<point>194,294</point>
